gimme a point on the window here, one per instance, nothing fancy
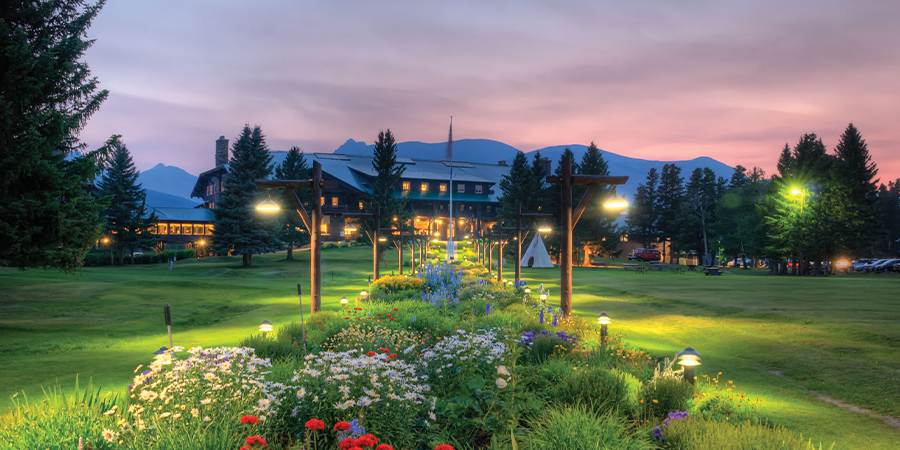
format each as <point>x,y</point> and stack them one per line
<point>443,187</point>
<point>488,208</point>
<point>405,185</point>
<point>323,228</point>
<point>212,205</point>
<point>360,206</point>
<point>198,229</point>
<point>334,201</point>
<point>624,238</point>
<point>424,187</point>
<point>162,228</point>
<point>461,187</point>
<point>209,230</point>
<point>462,207</point>
<point>174,228</point>
<point>477,188</point>
<point>187,229</point>
<point>442,206</point>
<point>322,201</point>
<point>222,187</point>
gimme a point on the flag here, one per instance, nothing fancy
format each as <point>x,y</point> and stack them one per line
<point>450,141</point>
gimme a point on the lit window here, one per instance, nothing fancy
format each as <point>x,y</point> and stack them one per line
<point>334,201</point>
<point>198,229</point>
<point>443,187</point>
<point>462,207</point>
<point>442,206</point>
<point>488,208</point>
<point>424,187</point>
<point>322,200</point>
<point>477,188</point>
<point>461,187</point>
<point>360,206</point>
<point>163,228</point>
<point>209,230</point>
<point>323,228</point>
<point>174,228</point>
<point>187,229</point>
<point>406,185</point>
<point>624,238</point>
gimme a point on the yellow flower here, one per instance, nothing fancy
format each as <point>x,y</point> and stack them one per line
<point>655,401</point>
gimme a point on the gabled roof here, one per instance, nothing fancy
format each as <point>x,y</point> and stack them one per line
<point>184,214</point>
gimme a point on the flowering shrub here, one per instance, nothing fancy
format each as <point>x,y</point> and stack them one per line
<point>441,274</point>
<point>366,337</point>
<point>203,394</point>
<point>383,392</point>
<point>395,283</point>
<point>544,344</point>
<point>461,354</point>
<point>673,416</point>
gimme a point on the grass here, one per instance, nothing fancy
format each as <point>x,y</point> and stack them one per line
<point>776,337</point>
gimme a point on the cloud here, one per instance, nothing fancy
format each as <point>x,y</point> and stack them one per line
<point>653,79</point>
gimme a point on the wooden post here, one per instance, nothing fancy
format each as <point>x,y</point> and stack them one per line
<point>315,259</point>
<point>565,245</point>
<point>500,251</point>
<point>375,234</point>
<point>518,242</point>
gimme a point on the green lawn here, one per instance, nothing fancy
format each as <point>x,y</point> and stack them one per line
<point>776,337</point>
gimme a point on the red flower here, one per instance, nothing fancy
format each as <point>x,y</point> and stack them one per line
<point>250,419</point>
<point>367,440</point>
<point>443,447</point>
<point>341,426</point>
<point>372,353</point>
<point>355,448</point>
<point>379,315</point>
<point>346,318</point>
<point>347,443</point>
<point>384,447</point>
<point>357,309</point>
<point>315,424</point>
<point>382,349</point>
<point>320,323</point>
<point>390,315</point>
<point>395,309</point>
<point>392,355</point>
<point>244,447</point>
<point>255,440</point>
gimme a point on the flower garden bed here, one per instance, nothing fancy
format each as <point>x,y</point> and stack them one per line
<point>449,360</point>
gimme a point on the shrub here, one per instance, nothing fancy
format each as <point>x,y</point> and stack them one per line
<point>705,434</point>
<point>593,387</point>
<point>367,337</point>
<point>579,427</point>
<point>662,395</point>
<point>543,344</point>
<point>397,283</point>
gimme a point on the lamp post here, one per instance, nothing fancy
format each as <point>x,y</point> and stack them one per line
<point>796,192</point>
<point>688,358</point>
<point>603,320</point>
<point>167,311</point>
<point>569,218</point>
<point>265,327</point>
<point>344,302</point>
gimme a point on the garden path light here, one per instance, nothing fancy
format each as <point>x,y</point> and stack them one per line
<point>603,320</point>
<point>688,358</point>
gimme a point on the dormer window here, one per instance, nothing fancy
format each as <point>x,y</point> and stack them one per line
<point>477,188</point>
<point>405,185</point>
<point>424,187</point>
<point>443,187</point>
<point>461,187</point>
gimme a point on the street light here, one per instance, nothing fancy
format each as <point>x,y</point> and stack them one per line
<point>349,229</point>
<point>616,203</point>
<point>688,358</point>
<point>603,320</point>
<point>795,192</point>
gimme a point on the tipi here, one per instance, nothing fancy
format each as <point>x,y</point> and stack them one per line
<point>536,255</point>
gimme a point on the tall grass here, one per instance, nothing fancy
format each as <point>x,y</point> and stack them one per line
<point>579,428</point>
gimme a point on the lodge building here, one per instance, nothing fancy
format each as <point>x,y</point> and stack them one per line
<point>425,184</point>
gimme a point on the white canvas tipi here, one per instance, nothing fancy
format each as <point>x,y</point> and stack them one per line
<point>536,255</point>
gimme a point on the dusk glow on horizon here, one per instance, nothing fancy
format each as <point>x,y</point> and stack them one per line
<point>657,80</point>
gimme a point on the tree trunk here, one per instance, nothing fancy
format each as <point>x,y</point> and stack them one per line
<point>122,257</point>
<point>290,251</point>
<point>246,259</point>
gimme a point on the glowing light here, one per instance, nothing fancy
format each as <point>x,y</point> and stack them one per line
<point>545,229</point>
<point>266,327</point>
<point>689,357</point>
<point>267,205</point>
<point>604,319</point>
<point>796,191</point>
<point>616,203</point>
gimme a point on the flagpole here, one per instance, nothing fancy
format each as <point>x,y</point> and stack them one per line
<point>451,251</point>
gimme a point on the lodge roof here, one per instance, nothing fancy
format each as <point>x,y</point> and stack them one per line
<point>183,214</point>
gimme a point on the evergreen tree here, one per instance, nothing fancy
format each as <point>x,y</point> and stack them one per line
<point>596,231</point>
<point>554,201</point>
<point>737,221</point>
<point>238,227</point>
<point>293,233</point>
<point>537,187</point>
<point>670,197</point>
<point>384,187</point>
<point>701,196</point>
<point>643,217</point>
<point>515,186</point>
<point>888,209</point>
<point>855,171</point>
<point>47,215</point>
<point>127,220</point>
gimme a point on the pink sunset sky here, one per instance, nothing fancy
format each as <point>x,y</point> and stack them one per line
<point>662,80</point>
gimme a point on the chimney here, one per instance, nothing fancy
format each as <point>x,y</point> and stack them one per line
<point>501,163</point>
<point>221,151</point>
<point>545,162</point>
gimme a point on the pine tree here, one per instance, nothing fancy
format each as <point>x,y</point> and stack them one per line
<point>855,171</point>
<point>238,227</point>
<point>47,215</point>
<point>702,193</point>
<point>514,187</point>
<point>293,233</point>
<point>384,187</point>
<point>537,187</point>
<point>554,201</point>
<point>127,220</point>
<point>670,197</point>
<point>596,231</point>
<point>643,216</point>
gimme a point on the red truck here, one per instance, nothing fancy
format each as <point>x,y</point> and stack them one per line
<point>644,254</point>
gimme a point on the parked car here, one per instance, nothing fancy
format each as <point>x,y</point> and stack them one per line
<point>859,264</point>
<point>871,266</point>
<point>644,254</point>
<point>885,266</point>
<point>740,262</point>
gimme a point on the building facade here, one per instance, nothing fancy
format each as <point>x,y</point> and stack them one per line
<point>425,184</point>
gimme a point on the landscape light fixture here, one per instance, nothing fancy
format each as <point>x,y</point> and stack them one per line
<point>382,239</point>
<point>603,320</point>
<point>544,229</point>
<point>344,302</point>
<point>543,297</point>
<point>161,351</point>
<point>167,311</point>
<point>363,294</point>
<point>688,359</point>
<point>265,327</point>
<point>268,205</point>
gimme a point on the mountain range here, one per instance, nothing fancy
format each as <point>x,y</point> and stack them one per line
<point>170,186</point>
